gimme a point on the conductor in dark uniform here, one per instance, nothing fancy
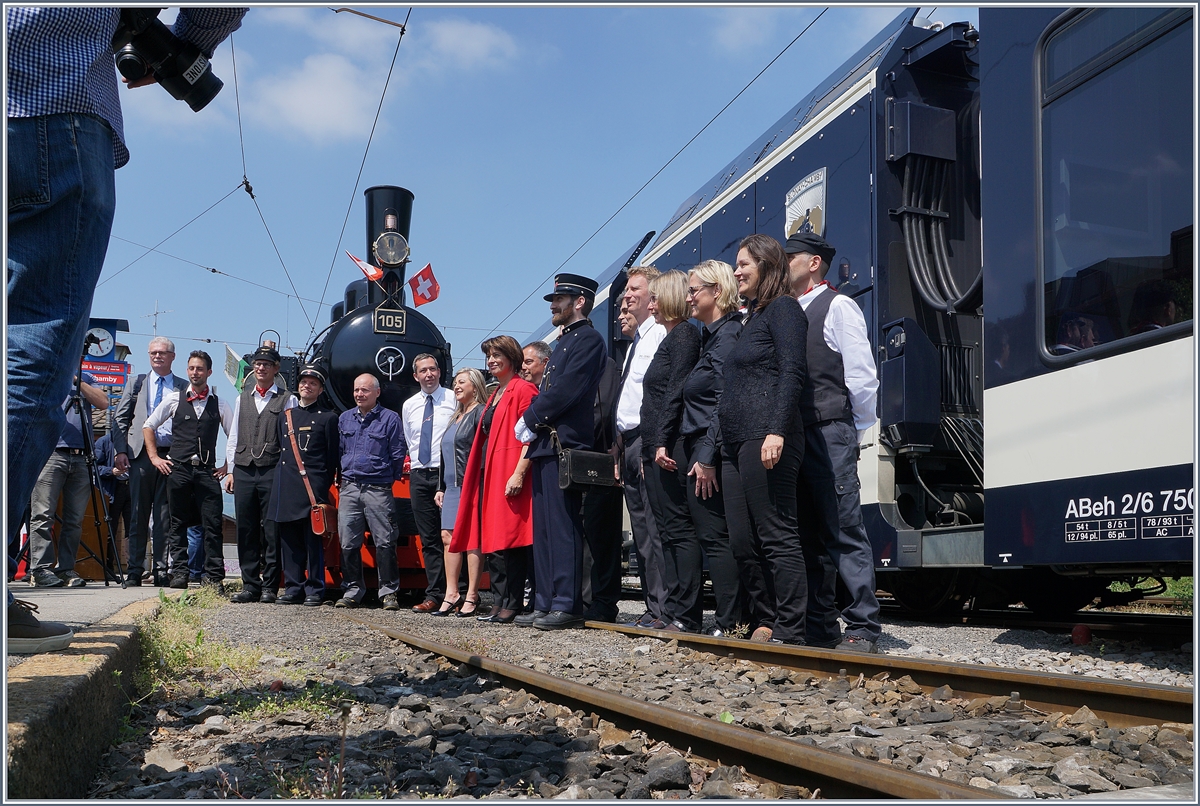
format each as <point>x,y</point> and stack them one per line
<point>566,406</point>
<point>315,428</point>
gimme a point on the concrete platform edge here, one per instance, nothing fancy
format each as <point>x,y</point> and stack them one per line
<point>65,708</point>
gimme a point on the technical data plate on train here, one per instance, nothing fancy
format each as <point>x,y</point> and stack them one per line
<point>389,321</point>
<point>1149,515</point>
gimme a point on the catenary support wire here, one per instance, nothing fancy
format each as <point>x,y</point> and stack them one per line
<point>367,150</point>
<point>652,178</point>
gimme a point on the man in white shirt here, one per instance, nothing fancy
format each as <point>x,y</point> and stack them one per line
<point>646,339</point>
<point>252,454</point>
<point>147,487</point>
<point>190,470</point>
<point>426,415</point>
<point>838,406</point>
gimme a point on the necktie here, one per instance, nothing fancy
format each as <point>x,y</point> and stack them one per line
<point>193,395</point>
<point>637,336</point>
<point>157,393</point>
<point>426,450</point>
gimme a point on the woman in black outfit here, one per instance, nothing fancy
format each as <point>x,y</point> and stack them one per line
<point>662,413</point>
<point>763,435</point>
<point>713,296</point>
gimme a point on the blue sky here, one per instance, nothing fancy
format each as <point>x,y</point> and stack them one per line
<point>519,130</point>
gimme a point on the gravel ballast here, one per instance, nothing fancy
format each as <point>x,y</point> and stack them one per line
<point>417,725</point>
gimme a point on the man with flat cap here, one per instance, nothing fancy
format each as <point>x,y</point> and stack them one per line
<point>565,406</point>
<point>308,460</point>
<point>252,453</point>
<point>838,406</point>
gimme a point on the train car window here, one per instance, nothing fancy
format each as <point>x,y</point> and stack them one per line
<point>1116,200</point>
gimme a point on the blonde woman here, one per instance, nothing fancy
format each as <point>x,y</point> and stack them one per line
<point>714,301</point>
<point>456,447</point>
<point>662,415</point>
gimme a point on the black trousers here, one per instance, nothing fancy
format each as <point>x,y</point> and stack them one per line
<point>422,487</point>
<point>646,544</point>
<point>258,540</point>
<point>708,517</point>
<point>683,561</point>
<point>832,529</point>
<point>196,498</point>
<point>602,537</point>
<point>760,508</point>
<point>148,496</point>
<point>508,571</point>
<point>302,557</point>
<point>120,509</point>
<point>557,541</point>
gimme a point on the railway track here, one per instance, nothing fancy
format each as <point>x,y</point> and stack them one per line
<point>1119,703</point>
<point>1156,628</point>
<point>780,760</point>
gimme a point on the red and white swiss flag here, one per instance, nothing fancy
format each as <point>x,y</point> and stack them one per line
<point>372,272</point>
<point>424,286</point>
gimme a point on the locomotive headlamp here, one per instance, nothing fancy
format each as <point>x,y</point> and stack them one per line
<point>391,249</point>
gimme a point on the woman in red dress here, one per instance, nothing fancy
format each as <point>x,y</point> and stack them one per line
<point>495,514</point>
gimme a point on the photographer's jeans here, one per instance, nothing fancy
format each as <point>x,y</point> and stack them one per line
<point>61,199</point>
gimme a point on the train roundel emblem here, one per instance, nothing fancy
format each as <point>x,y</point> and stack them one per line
<point>390,361</point>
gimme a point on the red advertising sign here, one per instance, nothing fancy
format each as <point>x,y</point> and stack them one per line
<point>109,379</point>
<point>107,367</point>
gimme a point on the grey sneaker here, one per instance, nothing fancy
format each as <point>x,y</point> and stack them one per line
<point>28,636</point>
<point>72,579</point>
<point>345,601</point>
<point>391,602</point>
<point>44,578</point>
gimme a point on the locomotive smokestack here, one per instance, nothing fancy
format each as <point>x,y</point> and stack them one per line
<point>388,208</point>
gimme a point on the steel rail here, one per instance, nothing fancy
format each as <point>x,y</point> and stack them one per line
<point>781,760</point>
<point>1121,704</point>
<point>1149,626</point>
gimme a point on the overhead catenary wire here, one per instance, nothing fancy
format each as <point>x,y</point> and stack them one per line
<point>665,165</point>
<point>169,237</point>
<point>213,270</point>
<point>358,179</point>
<point>250,192</point>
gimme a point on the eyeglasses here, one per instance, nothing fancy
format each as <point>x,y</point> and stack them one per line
<point>693,290</point>
<point>161,352</point>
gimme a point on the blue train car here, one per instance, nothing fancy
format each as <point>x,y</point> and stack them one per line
<point>1012,208</point>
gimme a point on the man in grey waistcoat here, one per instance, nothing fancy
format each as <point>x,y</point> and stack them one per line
<point>253,452</point>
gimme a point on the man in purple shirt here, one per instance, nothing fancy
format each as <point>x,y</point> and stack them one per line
<point>373,450</point>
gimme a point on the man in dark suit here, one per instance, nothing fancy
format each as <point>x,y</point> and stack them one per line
<point>147,486</point>
<point>565,405</point>
<point>602,512</point>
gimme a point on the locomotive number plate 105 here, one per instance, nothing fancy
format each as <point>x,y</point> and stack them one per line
<point>389,321</point>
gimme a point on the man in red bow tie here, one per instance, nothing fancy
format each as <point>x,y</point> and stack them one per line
<point>191,471</point>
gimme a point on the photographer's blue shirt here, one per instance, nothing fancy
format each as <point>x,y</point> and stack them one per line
<point>72,433</point>
<point>61,61</point>
<point>373,446</point>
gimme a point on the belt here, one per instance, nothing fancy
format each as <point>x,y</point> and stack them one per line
<point>367,484</point>
<point>425,470</point>
<point>195,462</point>
<point>72,451</point>
<point>631,434</point>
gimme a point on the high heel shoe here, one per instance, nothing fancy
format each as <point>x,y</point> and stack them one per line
<point>474,603</point>
<point>445,611</point>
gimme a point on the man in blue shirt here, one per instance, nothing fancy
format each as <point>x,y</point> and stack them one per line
<point>65,473</point>
<point>372,458</point>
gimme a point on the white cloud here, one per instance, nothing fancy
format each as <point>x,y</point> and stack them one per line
<point>744,29</point>
<point>463,45</point>
<point>328,98</point>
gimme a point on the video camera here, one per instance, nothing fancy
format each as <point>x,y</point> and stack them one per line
<point>144,44</point>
